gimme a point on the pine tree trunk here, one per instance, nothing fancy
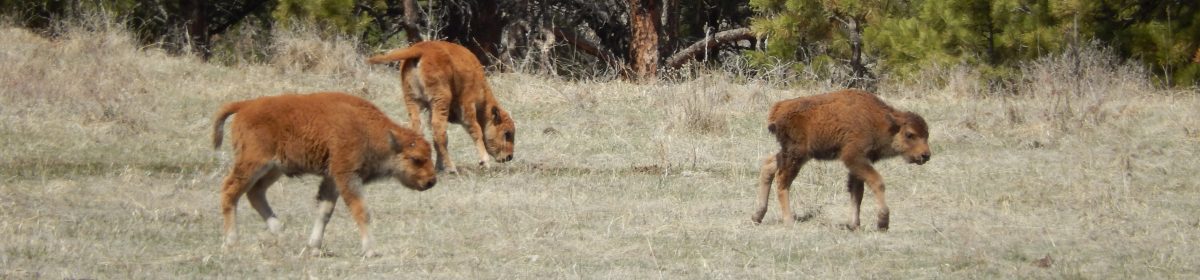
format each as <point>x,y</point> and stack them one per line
<point>478,26</point>
<point>410,21</point>
<point>196,23</point>
<point>644,24</point>
<point>860,75</point>
<point>670,30</point>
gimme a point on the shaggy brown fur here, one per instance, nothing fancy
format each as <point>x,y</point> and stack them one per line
<point>447,80</point>
<point>853,126</point>
<point>343,138</point>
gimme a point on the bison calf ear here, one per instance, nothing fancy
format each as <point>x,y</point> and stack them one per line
<point>396,146</point>
<point>896,122</point>
<point>496,115</point>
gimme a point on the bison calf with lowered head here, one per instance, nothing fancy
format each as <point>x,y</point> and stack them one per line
<point>447,80</point>
<point>343,138</point>
<point>852,126</point>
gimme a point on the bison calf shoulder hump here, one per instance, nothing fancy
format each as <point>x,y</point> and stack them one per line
<point>852,126</point>
<point>343,138</point>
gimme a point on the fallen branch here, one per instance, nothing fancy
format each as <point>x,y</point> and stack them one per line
<point>720,38</point>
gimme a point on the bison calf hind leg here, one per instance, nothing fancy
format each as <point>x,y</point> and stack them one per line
<point>765,176</point>
<point>240,179</point>
<point>258,199</point>
<point>786,171</point>
<point>439,119</point>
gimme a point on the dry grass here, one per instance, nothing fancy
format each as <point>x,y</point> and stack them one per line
<point>106,172</point>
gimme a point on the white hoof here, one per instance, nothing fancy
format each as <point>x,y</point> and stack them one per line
<point>274,225</point>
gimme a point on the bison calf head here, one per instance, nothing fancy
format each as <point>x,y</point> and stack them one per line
<point>410,164</point>
<point>912,138</point>
<point>498,135</point>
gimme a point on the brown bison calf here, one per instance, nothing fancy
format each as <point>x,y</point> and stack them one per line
<point>447,80</point>
<point>853,126</point>
<point>343,138</point>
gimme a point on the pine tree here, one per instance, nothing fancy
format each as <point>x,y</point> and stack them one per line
<point>794,28</point>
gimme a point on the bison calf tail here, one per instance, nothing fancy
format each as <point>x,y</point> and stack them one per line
<point>219,121</point>
<point>396,55</point>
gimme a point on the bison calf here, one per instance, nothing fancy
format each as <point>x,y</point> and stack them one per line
<point>447,80</point>
<point>343,138</point>
<point>853,126</point>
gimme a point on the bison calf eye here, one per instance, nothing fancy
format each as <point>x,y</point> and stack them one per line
<point>508,136</point>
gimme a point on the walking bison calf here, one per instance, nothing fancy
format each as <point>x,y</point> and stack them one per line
<point>343,138</point>
<point>852,126</point>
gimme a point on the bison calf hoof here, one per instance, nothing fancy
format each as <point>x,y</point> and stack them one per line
<point>316,252</point>
<point>758,215</point>
<point>229,243</point>
<point>371,254</point>
<point>274,226</point>
<point>883,221</point>
<point>850,227</point>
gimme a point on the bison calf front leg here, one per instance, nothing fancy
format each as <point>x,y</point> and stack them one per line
<point>327,197</point>
<point>349,186</point>
<point>476,131</point>
<point>884,213</point>
<point>861,168</point>
<point>854,186</point>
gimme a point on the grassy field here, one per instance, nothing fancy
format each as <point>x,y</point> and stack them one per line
<point>107,171</point>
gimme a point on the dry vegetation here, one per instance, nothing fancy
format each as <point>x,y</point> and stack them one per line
<point>106,171</point>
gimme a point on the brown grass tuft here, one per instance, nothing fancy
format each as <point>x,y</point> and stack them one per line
<point>1081,85</point>
<point>304,48</point>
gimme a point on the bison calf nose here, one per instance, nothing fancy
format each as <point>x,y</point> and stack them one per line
<point>925,157</point>
<point>508,158</point>
<point>430,183</point>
